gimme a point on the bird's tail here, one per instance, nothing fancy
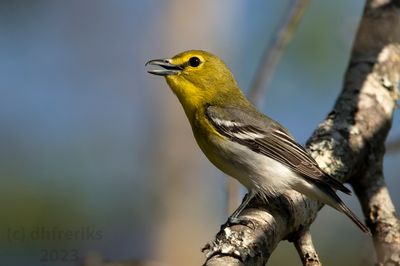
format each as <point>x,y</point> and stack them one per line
<point>343,208</point>
<point>339,205</point>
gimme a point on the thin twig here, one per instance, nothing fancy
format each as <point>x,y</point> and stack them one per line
<point>273,51</point>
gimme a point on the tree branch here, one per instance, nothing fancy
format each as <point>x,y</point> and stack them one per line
<point>274,50</point>
<point>369,183</point>
<point>347,145</point>
<point>306,250</point>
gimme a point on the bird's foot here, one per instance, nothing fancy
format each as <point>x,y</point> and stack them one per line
<point>238,221</point>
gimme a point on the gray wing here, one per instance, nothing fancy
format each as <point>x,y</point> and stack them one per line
<point>266,136</point>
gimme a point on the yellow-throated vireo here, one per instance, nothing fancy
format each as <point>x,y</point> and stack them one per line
<point>239,140</point>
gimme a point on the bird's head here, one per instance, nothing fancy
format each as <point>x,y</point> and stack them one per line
<point>197,78</point>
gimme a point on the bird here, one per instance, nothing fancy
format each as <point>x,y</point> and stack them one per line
<point>240,140</point>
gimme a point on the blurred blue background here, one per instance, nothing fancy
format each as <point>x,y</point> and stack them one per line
<point>92,143</point>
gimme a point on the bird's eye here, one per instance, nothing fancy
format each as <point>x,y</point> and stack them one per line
<point>194,61</point>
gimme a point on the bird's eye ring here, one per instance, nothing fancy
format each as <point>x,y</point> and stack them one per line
<point>194,61</point>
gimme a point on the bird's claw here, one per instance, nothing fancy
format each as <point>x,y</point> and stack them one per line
<point>238,221</point>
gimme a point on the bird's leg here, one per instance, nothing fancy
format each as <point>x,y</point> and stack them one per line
<point>234,218</point>
<point>247,198</point>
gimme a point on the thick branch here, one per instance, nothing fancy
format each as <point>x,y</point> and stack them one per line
<point>376,70</point>
<point>344,145</point>
<point>369,183</point>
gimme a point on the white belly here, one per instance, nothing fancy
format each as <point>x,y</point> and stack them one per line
<point>255,171</point>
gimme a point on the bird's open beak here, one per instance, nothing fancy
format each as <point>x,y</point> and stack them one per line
<point>169,68</point>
